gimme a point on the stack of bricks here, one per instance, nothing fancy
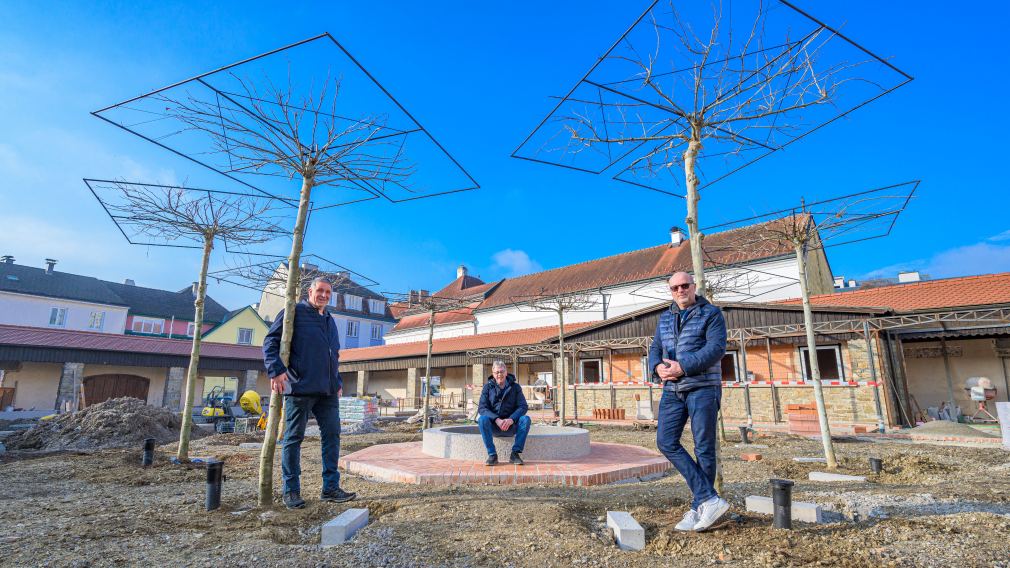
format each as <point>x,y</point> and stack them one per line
<point>803,419</point>
<point>609,413</point>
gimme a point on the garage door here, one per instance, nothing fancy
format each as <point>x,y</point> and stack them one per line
<point>99,388</point>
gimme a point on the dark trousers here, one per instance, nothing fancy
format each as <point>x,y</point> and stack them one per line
<point>702,407</point>
<point>489,430</point>
<point>326,409</point>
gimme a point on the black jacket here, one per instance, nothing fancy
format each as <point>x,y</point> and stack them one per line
<point>697,341</point>
<point>511,403</point>
<point>315,352</point>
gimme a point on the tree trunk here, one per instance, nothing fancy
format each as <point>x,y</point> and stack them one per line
<point>425,421</point>
<point>194,357</point>
<point>562,382</point>
<point>815,369</point>
<point>696,236</point>
<point>266,481</point>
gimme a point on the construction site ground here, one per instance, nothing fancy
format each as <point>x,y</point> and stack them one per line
<point>935,505</point>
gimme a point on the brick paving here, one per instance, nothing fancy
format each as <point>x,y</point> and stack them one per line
<point>405,463</point>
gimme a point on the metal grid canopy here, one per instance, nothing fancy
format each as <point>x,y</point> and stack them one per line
<point>270,276</point>
<point>831,222</point>
<point>381,150</point>
<point>759,87</point>
<point>174,216</point>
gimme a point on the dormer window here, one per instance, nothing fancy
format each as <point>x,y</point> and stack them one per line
<point>352,302</point>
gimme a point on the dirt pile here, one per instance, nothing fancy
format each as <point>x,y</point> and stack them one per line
<point>115,423</point>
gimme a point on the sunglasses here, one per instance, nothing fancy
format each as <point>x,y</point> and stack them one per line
<point>676,287</point>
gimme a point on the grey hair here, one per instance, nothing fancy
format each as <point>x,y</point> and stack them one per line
<point>319,279</point>
<point>499,363</point>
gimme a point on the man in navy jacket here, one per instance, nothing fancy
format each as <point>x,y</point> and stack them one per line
<point>310,382</point>
<point>686,356</point>
<point>502,413</point>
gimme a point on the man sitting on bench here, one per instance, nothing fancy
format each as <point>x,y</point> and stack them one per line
<point>502,413</point>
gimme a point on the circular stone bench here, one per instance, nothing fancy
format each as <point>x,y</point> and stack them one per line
<point>544,443</point>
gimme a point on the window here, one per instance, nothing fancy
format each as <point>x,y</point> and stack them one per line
<point>245,336</point>
<point>352,302</point>
<point>190,329</point>
<point>97,320</point>
<point>148,325</point>
<point>352,329</point>
<point>829,360</point>
<point>376,306</point>
<point>376,331</point>
<point>58,317</point>
<point>730,367</point>
<point>592,371</point>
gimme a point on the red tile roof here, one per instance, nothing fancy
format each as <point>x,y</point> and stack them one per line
<point>981,290</point>
<point>745,244</point>
<point>527,336</point>
<point>465,287</point>
<point>421,320</point>
<point>95,341</point>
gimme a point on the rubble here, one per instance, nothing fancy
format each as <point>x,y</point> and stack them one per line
<point>115,423</point>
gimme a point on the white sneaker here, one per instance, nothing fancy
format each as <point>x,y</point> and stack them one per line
<point>710,511</point>
<point>690,519</point>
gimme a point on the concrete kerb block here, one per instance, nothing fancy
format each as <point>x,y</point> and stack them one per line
<point>811,460</point>
<point>343,526</point>
<point>825,476</point>
<point>251,445</point>
<point>805,512</point>
<point>627,532</point>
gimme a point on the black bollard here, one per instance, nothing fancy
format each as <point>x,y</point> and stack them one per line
<point>782,501</point>
<point>215,474</point>
<point>876,465</point>
<point>744,431</point>
<point>148,458</point>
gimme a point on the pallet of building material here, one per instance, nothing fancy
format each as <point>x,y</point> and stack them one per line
<point>246,425</point>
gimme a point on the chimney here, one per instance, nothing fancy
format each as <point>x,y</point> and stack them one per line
<point>461,271</point>
<point>7,259</point>
<point>852,283</point>
<point>676,236</point>
<point>839,282</point>
<point>909,276</point>
<point>129,282</point>
<point>194,288</point>
<point>423,294</point>
<point>412,298</point>
<point>50,263</point>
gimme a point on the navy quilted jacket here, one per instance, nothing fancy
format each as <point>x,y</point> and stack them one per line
<point>698,344</point>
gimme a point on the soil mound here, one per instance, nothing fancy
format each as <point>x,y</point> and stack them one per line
<point>115,423</point>
<point>948,428</point>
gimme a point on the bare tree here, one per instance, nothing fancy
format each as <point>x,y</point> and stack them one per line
<point>309,140</point>
<point>840,220</point>
<point>684,92</point>
<point>181,215</point>
<point>559,303</point>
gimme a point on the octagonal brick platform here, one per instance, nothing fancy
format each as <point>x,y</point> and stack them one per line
<point>407,463</point>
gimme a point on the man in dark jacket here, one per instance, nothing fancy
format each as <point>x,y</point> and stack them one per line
<point>502,413</point>
<point>686,357</point>
<point>310,382</point>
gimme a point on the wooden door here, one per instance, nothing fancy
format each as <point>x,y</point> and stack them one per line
<point>99,388</point>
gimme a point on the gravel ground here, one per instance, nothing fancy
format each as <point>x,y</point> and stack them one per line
<point>933,506</point>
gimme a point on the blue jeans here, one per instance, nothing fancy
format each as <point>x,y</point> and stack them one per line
<point>326,409</point>
<point>488,430</point>
<point>702,407</point>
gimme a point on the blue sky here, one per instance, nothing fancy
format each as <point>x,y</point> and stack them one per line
<point>479,76</point>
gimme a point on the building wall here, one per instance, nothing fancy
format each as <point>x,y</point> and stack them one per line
<point>228,331</point>
<point>421,333</point>
<point>34,311</point>
<point>927,377</point>
<point>35,385</point>
<point>388,385</point>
